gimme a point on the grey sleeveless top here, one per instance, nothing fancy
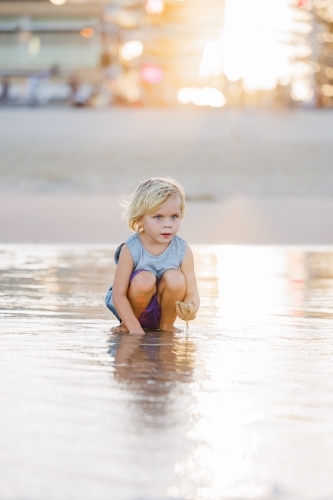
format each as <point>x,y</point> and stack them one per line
<point>171,258</point>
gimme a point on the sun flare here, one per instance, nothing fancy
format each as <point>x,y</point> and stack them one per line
<point>254,44</point>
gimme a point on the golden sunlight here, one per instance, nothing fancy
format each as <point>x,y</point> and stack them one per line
<point>252,41</point>
<point>211,62</point>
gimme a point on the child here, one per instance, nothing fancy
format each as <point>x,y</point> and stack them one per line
<point>154,279</point>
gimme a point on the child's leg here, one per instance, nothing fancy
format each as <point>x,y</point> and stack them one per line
<point>172,287</point>
<point>141,291</point>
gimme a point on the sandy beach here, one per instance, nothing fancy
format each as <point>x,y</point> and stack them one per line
<point>251,177</point>
<point>239,408</point>
<point>96,218</point>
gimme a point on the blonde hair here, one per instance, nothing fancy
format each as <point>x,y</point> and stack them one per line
<point>149,196</point>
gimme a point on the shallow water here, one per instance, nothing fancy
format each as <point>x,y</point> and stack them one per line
<point>240,408</point>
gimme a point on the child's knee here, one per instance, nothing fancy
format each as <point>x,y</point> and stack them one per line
<point>143,282</point>
<point>173,279</point>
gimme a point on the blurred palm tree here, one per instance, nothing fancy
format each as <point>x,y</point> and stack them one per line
<point>323,16</point>
<point>319,38</point>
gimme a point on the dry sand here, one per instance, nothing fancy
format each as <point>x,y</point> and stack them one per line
<point>95,218</point>
<point>251,177</point>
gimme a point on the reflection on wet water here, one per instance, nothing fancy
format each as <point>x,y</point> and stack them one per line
<point>239,408</point>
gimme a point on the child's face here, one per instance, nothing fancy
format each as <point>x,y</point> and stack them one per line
<point>164,223</point>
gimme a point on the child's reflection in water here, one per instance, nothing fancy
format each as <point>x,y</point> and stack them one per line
<point>152,357</point>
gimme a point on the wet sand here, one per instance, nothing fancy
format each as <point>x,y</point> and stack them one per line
<point>251,177</point>
<point>239,408</point>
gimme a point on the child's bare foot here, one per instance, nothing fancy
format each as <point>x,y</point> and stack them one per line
<point>170,328</point>
<point>119,329</point>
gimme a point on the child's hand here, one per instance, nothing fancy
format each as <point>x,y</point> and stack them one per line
<point>123,329</point>
<point>186,310</point>
<point>138,331</point>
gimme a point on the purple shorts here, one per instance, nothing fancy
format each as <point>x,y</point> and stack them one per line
<point>150,317</point>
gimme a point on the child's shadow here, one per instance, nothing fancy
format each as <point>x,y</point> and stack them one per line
<point>153,360</point>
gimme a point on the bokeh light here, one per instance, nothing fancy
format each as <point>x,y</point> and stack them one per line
<point>131,50</point>
<point>206,96</point>
<point>34,46</point>
<point>87,32</point>
<point>151,73</point>
<point>327,90</point>
<point>58,2</point>
<point>300,91</point>
<point>155,6</point>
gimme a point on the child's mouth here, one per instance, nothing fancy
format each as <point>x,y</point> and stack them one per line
<point>166,234</point>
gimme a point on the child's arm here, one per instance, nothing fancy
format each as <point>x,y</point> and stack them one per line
<point>187,268</point>
<point>120,290</point>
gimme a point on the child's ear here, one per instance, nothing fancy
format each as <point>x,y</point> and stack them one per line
<point>140,226</point>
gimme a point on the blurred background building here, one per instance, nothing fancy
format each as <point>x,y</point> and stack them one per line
<point>211,53</point>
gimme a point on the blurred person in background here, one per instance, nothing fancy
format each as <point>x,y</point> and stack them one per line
<point>5,87</point>
<point>81,93</point>
<point>32,89</point>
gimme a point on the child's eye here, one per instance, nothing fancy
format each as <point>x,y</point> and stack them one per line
<point>158,216</point>
<point>175,216</point>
